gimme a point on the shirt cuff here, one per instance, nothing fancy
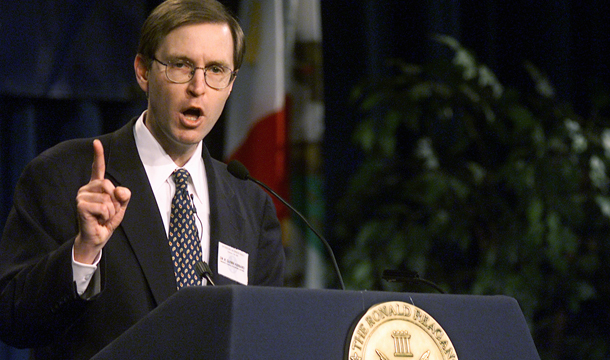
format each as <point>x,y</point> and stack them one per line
<point>82,273</point>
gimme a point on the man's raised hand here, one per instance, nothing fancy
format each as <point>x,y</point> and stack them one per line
<point>101,207</point>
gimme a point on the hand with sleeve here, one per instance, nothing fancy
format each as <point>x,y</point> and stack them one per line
<point>101,207</point>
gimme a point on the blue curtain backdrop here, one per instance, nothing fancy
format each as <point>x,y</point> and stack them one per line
<point>66,65</point>
<point>65,71</point>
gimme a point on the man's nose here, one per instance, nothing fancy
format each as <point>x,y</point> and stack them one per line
<point>197,85</point>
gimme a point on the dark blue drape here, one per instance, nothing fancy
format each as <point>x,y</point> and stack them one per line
<point>65,71</point>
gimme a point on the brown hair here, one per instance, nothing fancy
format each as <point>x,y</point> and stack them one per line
<point>172,14</point>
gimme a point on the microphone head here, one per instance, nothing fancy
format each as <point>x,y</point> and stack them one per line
<point>204,271</point>
<point>201,269</point>
<point>238,170</point>
<point>207,268</point>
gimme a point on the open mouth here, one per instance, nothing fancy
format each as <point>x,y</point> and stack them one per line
<point>192,114</point>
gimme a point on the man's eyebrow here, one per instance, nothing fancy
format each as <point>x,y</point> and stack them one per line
<point>217,62</point>
<point>190,61</point>
<point>180,57</point>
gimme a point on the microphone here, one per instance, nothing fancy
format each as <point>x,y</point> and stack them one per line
<point>202,268</point>
<point>407,276</point>
<point>192,197</point>
<point>204,271</point>
<point>238,170</point>
<point>198,219</point>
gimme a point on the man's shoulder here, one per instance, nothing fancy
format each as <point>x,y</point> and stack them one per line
<point>73,147</point>
<point>74,151</point>
<point>221,174</point>
<point>69,160</point>
<point>245,190</point>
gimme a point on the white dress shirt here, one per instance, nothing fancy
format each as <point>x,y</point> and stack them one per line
<point>159,168</point>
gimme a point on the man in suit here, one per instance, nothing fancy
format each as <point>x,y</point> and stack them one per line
<point>85,253</point>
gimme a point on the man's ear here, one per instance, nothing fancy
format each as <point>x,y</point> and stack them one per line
<point>140,66</point>
<point>232,82</point>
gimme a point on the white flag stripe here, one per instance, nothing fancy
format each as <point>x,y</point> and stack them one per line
<point>259,89</point>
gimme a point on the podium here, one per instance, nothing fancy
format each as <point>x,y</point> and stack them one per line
<point>247,322</point>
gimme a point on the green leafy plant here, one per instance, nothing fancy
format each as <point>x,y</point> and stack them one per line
<point>484,189</point>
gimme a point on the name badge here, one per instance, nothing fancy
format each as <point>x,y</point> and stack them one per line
<point>233,263</point>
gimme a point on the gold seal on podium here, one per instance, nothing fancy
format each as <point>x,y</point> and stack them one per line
<point>398,330</point>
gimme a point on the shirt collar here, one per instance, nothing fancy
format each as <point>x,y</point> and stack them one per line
<point>159,165</point>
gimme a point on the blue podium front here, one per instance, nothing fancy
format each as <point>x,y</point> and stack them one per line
<point>243,322</point>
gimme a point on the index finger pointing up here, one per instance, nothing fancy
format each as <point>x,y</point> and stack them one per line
<point>98,169</point>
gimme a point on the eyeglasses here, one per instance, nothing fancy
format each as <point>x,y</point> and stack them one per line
<point>216,76</point>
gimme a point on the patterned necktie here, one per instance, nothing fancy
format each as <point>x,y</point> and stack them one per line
<point>183,235</point>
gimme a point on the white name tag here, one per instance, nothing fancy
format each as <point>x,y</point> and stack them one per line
<point>233,263</point>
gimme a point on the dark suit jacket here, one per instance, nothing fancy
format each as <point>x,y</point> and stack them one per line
<point>39,307</point>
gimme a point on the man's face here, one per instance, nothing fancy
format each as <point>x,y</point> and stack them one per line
<point>180,115</point>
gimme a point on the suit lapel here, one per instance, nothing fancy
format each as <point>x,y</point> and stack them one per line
<point>225,221</point>
<point>142,223</point>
